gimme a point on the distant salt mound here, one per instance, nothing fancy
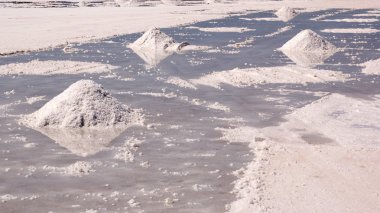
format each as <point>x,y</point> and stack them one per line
<point>308,48</point>
<point>84,104</point>
<point>155,40</point>
<point>154,46</point>
<point>286,13</point>
<point>371,67</point>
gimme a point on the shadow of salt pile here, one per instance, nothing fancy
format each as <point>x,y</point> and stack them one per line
<point>308,49</point>
<point>84,118</point>
<point>155,46</point>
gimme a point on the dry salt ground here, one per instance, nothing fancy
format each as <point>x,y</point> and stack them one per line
<point>214,123</point>
<point>37,67</point>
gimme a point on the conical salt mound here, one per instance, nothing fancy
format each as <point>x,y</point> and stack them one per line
<point>156,41</point>
<point>286,13</point>
<point>84,104</point>
<point>308,41</point>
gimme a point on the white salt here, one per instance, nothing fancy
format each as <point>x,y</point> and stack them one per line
<point>154,46</point>
<point>84,104</point>
<point>155,40</point>
<point>308,41</point>
<point>50,67</point>
<point>371,67</point>
<point>286,13</point>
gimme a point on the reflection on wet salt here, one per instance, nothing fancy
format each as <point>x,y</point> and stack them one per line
<point>152,58</point>
<point>82,142</point>
<point>308,59</point>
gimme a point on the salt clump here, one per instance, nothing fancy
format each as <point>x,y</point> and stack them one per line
<point>308,48</point>
<point>286,13</point>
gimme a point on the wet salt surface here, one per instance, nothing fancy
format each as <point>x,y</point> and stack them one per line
<point>183,165</point>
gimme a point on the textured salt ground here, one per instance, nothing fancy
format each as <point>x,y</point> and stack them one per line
<point>316,150</point>
<point>353,30</point>
<point>51,67</point>
<point>179,132</point>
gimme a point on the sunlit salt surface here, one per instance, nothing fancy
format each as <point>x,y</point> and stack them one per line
<point>179,160</point>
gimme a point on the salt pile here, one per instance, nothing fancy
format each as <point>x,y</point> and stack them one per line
<point>307,47</point>
<point>155,40</point>
<point>371,67</point>
<point>154,46</point>
<point>308,41</point>
<point>84,104</point>
<point>286,13</point>
<point>84,118</point>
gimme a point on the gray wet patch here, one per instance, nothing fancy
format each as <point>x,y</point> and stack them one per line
<point>316,139</point>
<point>180,165</point>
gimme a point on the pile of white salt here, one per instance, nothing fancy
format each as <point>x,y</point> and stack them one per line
<point>308,48</point>
<point>286,13</point>
<point>84,104</point>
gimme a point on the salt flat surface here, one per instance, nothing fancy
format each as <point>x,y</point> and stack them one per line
<point>50,67</point>
<point>352,31</point>
<point>55,26</point>
<point>361,20</point>
<point>225,29</point>
<point>199,143</point>
<point>319,150</point>
<point>272,75</point>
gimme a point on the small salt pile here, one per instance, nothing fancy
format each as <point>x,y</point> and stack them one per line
<point>371,67</point>
<point>154,46</point>
<point>308,41</point>
<point>155,40</point>
<point>84,104</point>
<point>308,48</point>
<point>286,13</point>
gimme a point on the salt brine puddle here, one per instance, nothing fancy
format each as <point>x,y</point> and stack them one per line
<point>178,163</point>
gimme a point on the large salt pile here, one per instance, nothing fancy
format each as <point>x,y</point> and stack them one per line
<point>308,48</point>
<point>84,104</point>
<point>286,13</point>
<point>154,46</point>
<point>84,118</point>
